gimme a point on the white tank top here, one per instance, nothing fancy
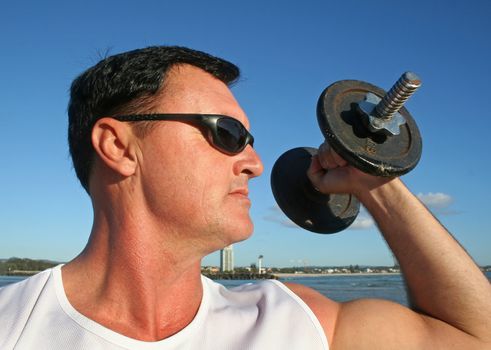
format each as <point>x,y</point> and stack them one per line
<point>36,314</point>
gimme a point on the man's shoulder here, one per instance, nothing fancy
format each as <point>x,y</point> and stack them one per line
<point>23,288</point>
<point>16,303</point>
<point>271,293</point>
<point>267,307</point>
<point>252,289</point>
<point>324,309</point>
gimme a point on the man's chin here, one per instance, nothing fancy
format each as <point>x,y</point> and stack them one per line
<point>239,233</point>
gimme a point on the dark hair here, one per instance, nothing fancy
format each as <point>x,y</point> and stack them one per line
<point>126,83</point>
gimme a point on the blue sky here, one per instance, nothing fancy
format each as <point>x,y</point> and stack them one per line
<point>289,51</point>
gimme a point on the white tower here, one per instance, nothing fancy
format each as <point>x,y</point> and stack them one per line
<point>227,259</point>
<point>260,264</point>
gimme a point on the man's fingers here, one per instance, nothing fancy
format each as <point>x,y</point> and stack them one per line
<point>328,180</point>
<point>328,158</point>
<point>325,158</point>
<point>315,171</point>
<point>337,158</point>
<point>328,172</point>
<point>315,165</point>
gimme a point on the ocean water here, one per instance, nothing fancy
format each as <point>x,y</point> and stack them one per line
<point>5,280</point>
<point>344,288</point>
<point>338,288</point>
<point>350,287</point>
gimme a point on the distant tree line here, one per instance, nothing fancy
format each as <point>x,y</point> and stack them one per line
<point>14,265</point>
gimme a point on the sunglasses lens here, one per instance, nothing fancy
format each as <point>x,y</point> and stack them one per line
<point>232,135</point>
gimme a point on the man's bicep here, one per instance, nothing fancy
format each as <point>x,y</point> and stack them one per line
<point>381,324</point>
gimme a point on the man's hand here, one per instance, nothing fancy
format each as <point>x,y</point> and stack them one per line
<point>329,173</point>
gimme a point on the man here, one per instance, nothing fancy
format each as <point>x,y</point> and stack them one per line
<point>162,148</point>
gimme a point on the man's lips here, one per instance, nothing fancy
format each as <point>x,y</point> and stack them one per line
<point>241,191</point>
<point>241,195</point>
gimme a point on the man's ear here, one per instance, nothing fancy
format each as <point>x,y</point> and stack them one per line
<point>113,141</point>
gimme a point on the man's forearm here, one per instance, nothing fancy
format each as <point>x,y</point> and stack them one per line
<point>442,279</point>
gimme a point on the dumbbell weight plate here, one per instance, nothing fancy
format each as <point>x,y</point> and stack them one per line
<point>344,130</point>
<point>305,206</point>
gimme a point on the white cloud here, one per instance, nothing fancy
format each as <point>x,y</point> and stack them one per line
<point>438,203</point>
<point>362,223</point>
<point>276,215</point>
<point>436,200</point>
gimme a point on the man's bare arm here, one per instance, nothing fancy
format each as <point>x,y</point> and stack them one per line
<point>443,281</point>
<point>450,295</point>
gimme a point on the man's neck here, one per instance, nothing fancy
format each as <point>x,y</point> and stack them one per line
<point>134,286</point>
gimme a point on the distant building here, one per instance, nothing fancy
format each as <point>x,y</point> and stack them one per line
<point>227,259</point>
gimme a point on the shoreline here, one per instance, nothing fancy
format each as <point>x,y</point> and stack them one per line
<point>301,275</point>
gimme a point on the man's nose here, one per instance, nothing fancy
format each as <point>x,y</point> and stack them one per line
<point>250,163</point>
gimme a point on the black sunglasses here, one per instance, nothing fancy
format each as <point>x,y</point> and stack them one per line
<point>227,134</point>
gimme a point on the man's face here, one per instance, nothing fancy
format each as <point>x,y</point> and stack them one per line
<point>197,193</point>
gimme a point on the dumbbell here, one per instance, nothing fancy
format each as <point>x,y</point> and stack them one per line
<point>366,126</point>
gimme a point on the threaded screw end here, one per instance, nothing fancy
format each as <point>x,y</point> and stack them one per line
<point>393,101</point>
